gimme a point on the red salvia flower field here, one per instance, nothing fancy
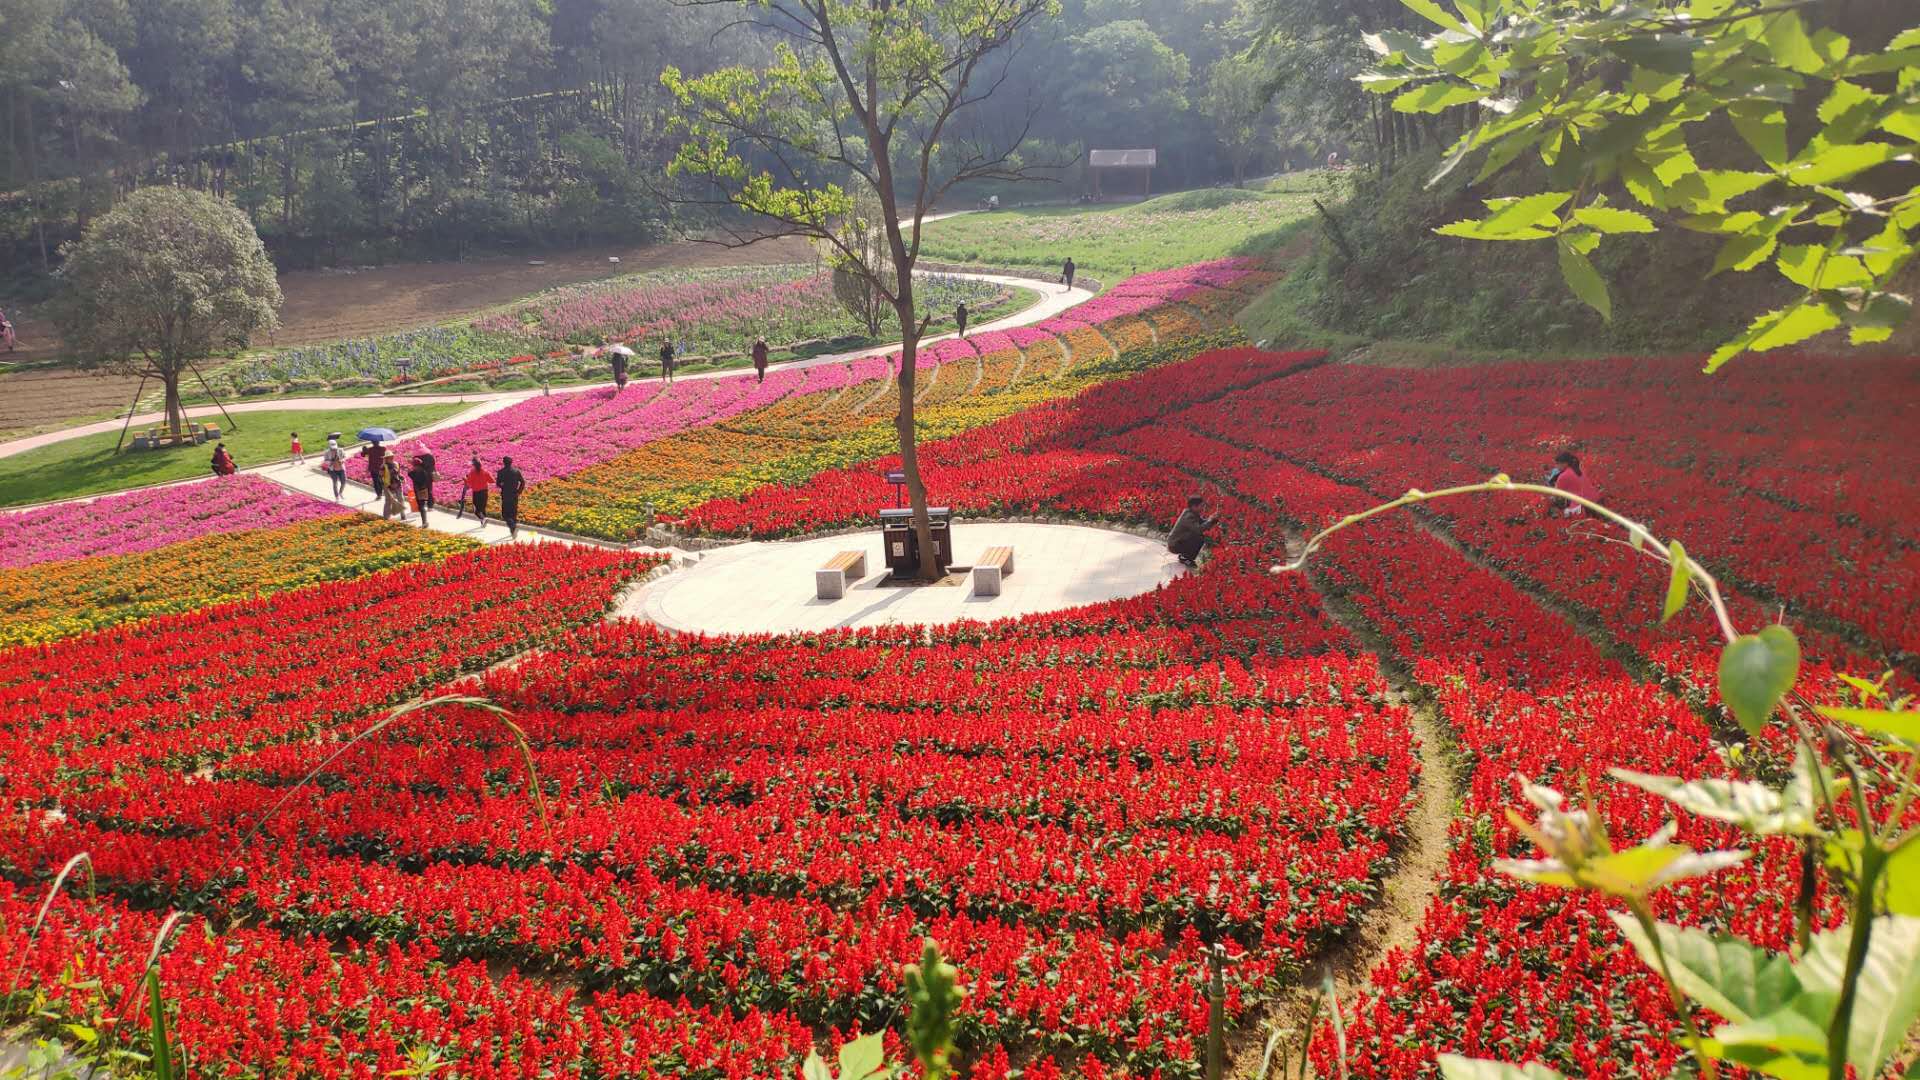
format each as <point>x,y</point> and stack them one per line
<point>740,840</point>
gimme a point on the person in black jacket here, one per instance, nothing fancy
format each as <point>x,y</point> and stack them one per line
<point>511,484</point>
<point>376,456</point>
<point>426,493</point>
<point>1189,533</point>
<point>421,474</point>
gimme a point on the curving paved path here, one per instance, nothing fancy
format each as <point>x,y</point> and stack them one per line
<point>1053,300</point>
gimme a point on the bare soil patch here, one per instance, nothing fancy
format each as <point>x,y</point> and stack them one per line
<point>327,305</point>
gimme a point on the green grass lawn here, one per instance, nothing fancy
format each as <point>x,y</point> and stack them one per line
<point>88,466</point>
<point>1112,242</point>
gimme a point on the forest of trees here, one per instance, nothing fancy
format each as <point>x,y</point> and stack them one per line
<point>354,130</point>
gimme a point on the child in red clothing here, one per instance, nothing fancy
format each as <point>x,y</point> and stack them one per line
<point>298,457</point>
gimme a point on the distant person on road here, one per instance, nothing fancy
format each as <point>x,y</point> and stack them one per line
<point>1189,535</point>
<point>334,461</point>
<point>666,360</point>
<point>1066,273</point>
<point>619,369</point>
<point>6,332</point>
<point>376,456</point>
<point>299,458</point>
<point>960,317</point>
<point>511,484</point>
<point>477,483</point>
<point>422,476</point>
<point>760,358</point>
<point>393,503</point>
<point>1567,476</point>
<point>222,461</point>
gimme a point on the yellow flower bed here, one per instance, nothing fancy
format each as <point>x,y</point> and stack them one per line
<point>1046,358</point>
<point>614,494</point>
<point>1175,321</point>
<point>55,600</point>
<point>1088,346</point>
<point>1129,333</point>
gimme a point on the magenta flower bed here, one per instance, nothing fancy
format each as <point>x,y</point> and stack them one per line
<point>144,520</point>
<point>548,437</point>
<point>1184,281</point>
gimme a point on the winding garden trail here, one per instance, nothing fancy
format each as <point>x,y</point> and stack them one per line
<point>1053,301</point>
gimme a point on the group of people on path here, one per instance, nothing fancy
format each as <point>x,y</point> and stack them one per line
<point>397,490</point>
<point>392,487</point>
<point>760,351</point>
<point>668,362</point>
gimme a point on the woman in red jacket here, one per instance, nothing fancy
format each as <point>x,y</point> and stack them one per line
<point>1568,477</point>
<point>477,483</point>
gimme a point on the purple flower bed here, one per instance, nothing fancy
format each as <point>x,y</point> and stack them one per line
<point>144,520</point>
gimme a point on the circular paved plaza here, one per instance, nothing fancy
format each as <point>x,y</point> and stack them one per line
<point>770,587</point>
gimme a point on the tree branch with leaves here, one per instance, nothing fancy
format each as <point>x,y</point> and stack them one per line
<point>1604,97</point>
<point>864,99</point>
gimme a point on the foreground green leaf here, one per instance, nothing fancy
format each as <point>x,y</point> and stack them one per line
<point>1888,991</point>
<point>1756,671</point>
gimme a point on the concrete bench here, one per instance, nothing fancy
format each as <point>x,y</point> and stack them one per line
<point>830,581</point>
<point>993,564</point>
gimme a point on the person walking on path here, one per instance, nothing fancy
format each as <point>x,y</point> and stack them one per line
<point>477,483</point>
<point>426,492</point>
<point>511,484</point>
<point>376,456</point>
<point>619,368</point>
<point>666,360</point>
<point>760,358</point>
<point>393,504</point>
<point>299,458</point>
<point>1189,535</point>
<point>960,318</point>
<point>222,461</point>
<point>334,461</point>
<point>1066,273</point>
<point>6,332</point>
<point>422,476</point>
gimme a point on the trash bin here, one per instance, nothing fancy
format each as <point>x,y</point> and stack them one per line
<point>901,546</point>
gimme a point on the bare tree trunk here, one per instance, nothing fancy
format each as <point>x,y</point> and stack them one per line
<point>176,416</point>
<point>909,442</point>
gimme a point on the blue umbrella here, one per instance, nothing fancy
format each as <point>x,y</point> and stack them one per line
<point>377,434</point>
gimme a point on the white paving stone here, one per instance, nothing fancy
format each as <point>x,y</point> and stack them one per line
<point>769,587</point>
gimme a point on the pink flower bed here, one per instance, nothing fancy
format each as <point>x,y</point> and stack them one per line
<point>552,436</point>
<point>1184,281</point>
<point>144,520</point>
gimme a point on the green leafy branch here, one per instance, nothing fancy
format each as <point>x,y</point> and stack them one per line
<point>1605,94</point>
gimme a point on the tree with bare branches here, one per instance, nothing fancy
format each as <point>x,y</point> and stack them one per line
<point>863,97</point>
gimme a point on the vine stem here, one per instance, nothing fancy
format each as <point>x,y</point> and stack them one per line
<point>1643,914</point>
<point>1639,537</point>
